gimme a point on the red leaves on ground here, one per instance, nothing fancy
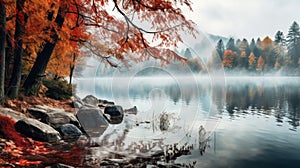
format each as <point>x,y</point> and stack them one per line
<point>7,126</point>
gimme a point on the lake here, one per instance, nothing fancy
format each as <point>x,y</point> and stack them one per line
<point>229,121</point>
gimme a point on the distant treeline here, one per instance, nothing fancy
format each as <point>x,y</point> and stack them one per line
<point>281,56</point>
<point>266,56</point>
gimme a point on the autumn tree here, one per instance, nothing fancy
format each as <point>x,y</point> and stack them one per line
<point>251,61</point>
<point>21,18</point>
<point>267,47</point>
<point>229,59</point>
<point>260,64</point>
<point>122,35</point>
<point>2,47</point>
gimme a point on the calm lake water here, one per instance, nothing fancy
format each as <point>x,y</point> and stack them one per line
<point>247,121</point>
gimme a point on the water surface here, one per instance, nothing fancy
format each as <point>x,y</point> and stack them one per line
<point>249,121</point>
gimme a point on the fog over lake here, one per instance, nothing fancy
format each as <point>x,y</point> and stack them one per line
<point>249,121</point>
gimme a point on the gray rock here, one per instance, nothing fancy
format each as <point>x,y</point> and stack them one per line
<point>38,113</point>
<point>52,116</point>
<point>59,165</point>
<point>77,102</point>
<point>57,119</point>
<point>37,130</point>
<point>114,114</point>
<point>15,115</point>
<point>69,131</point>
<point>132,110</point>
<point>91,100</point>
<point>41,111</point>
<point>106,102</point>
<point>92,121</point>
<point>47,108</point>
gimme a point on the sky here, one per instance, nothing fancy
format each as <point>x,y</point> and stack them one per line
<point>244,18</point>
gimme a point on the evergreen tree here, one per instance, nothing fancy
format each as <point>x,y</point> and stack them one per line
<point>244,46</point>
<point>257,48</point>
<point>279,49</point>
<point>293,43</point>
<point>252,44</point>
<point>238,42</point>
<point>188,54</point>
<point>220,49</point>
<point>244,51</point>
<point>231,46</point>
<point>279,38</point>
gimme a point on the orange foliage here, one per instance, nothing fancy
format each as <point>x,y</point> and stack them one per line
<point>260,63</point>
<point>267,43</point>
<point>91,21</point>
<point>251,60</point>
<point>228,59</point>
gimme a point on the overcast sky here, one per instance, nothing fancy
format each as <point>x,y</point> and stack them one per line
<point>245,18</point>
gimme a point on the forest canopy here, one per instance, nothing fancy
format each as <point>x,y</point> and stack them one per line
<point>41,38</point>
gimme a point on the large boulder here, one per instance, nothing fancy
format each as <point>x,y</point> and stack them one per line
<point>37,130</point>
<point>69,131</point>
<point>41,111</point>
<point>55,117</point>
<point>114,114</point>
<point>15,115</point>
<point>91,100</point>
<point>92,121</point>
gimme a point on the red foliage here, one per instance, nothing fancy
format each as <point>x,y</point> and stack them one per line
<point>7,126</point>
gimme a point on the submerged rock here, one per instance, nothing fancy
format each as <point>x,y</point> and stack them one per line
<point>132,110</point>
<point>114,114</point>
<point>92,121</point>
<point>37,130</point>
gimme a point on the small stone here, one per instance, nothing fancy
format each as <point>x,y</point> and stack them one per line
<point>69,131</point>
<point>115,114</point>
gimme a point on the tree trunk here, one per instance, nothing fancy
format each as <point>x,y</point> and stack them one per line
<point>2,48</point>
<point>14,85</point>
<point>8,56</point>
<point>72,66</point>
<point>34,79</point>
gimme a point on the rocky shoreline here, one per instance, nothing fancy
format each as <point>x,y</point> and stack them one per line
<point>58,138</point>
